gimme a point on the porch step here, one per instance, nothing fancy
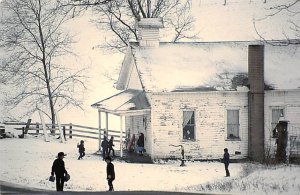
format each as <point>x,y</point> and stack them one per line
<point>131,157</point>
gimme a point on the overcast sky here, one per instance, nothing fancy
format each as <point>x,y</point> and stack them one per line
<point>214,21</point>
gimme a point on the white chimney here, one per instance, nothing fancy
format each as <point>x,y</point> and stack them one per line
<point>148,29</point>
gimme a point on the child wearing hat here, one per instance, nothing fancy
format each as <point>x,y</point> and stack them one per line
<point>110,171</point>
<point>59,169</point>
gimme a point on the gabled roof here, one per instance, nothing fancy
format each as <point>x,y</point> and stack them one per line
<point>125,70</point>
<point>209,65</point>
<point>128,100</point>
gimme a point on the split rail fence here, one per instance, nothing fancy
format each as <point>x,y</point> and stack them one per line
<point>69,130</point>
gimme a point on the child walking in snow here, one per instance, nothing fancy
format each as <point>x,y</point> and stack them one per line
<point>81,149</point>
<point>59,169</point>
<point>110,171</point>
<point>110,146</point>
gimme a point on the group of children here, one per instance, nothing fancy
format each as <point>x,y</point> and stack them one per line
<point>62,175</point>
<point>107,147</point>
<point>60,171</point>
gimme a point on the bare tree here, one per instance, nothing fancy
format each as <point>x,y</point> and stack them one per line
<point>120,17</point>
<point>288,6</point>
<point>291,8</point>
<point>34,44</point>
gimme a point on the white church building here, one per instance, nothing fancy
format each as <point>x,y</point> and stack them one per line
<point>206,96</point>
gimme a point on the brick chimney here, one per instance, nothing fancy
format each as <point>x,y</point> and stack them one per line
<point>256,102</point>
<point>148,29</point>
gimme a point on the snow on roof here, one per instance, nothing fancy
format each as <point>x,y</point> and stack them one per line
<point>126,100</point>
<point>175,66</point>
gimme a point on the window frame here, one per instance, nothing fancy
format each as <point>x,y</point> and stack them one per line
<point>238,138</point>
<point>273,124</point>
<point>182,127</point>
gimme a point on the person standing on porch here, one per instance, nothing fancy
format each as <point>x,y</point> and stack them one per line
<point>226,161</point>
<point>110,146</point>
<point>140,144</point>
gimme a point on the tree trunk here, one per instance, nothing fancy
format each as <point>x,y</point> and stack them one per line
<point>46,74</point>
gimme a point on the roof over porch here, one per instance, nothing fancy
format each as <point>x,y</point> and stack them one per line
<point>129,101</point>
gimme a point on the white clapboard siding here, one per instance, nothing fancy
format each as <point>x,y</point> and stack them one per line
<point>210,115</point>
<point>149,37</point>
<point>165,125</point>
<point>151,34</point>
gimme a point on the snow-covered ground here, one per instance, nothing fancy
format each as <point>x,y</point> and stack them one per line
<point>28,162</point>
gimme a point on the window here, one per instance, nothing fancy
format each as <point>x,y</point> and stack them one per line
<point>277,113</point>
<point>188,125</point>
<point>233,125</point>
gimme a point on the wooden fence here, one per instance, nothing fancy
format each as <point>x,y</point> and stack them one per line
<point>69,130</point>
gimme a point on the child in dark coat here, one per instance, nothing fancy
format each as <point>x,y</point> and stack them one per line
<point>59,169</point>
<point>110,171</point>
<point>104,145</point>
<point>226,161</point>
<point>110,146</point>
<point>81,149</point>
<point>140,144</point>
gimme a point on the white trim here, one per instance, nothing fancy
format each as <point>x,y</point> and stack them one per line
<point>133,112</point>
<point>266,92</point>
<point>99,130</point>
<point>121,134</point>
<point>129,74</point>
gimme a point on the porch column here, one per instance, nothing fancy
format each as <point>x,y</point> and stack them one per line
<point>99,129</point>
<point>106,114</point>
<point>121,135</point>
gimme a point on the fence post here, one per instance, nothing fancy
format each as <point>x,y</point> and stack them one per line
<point>37,126</point>
<point>70,131</point>
<point>64,132</point>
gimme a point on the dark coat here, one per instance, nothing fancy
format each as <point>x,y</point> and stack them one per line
<point>140,141</point>
<point>58,167</point>
<point>104,144</point>
<point>226,158</point>
<point>111,143</point>
<point>81,148</point>
<point>110,170</point>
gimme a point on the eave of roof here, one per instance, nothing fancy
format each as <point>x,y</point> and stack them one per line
<point>126,101</point>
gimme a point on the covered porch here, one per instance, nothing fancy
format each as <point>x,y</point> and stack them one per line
<point>133,110</point>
